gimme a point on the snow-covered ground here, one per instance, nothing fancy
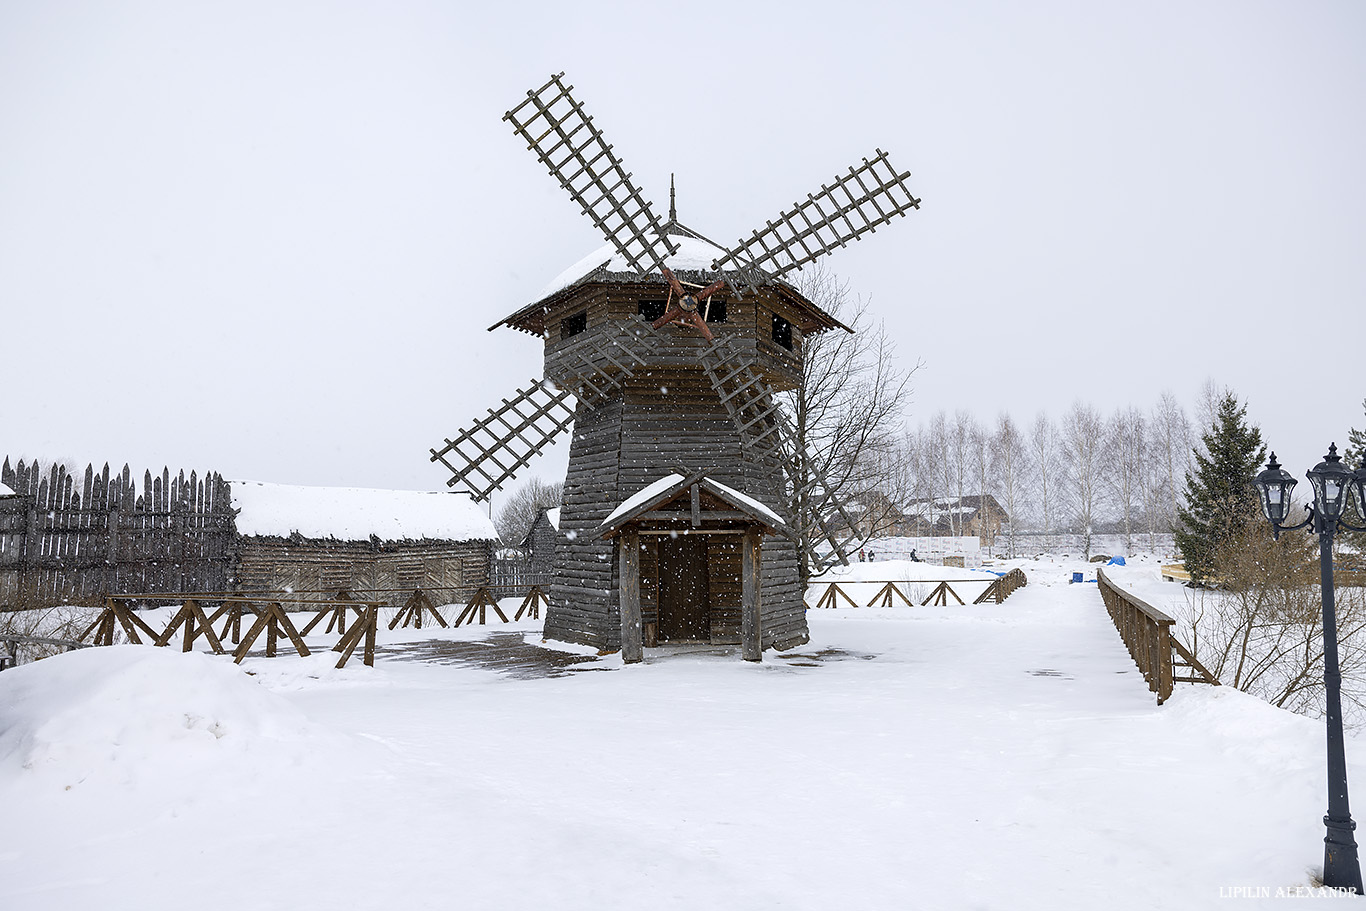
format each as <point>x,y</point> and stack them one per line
<point>995,756</point>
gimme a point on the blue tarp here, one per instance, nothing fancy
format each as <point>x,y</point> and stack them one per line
<point>1116,561</point>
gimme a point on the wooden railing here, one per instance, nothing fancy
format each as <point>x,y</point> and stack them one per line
<point>271,614</point>
<point>997,591</point>
<point>1147,633</point>
<point>11,642</point>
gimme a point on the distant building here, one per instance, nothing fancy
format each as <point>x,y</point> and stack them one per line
<point>335,539</point>
<point>539,543</point>
<point>931,516</point>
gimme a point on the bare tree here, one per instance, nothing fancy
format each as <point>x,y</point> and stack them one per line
<point>1043,441</point>
<point>1172,441</point>
<point>519,511</point>
<point>1126,454</point>
<point>1083,435</point>
<point>847,410</point>
<point>979,446</point>
<point>1008,451</point>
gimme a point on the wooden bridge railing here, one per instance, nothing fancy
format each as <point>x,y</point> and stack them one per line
<point>1147,633</point>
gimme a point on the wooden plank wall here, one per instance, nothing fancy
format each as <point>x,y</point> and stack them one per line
<point>670,417</point>
<point>449,571</point>
<point>74,539</point>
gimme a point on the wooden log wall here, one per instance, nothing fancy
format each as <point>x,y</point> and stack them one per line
<point>670,417</point>
<point>76,538</point>
<point>449,571</point>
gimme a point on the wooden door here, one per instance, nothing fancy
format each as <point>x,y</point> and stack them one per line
<point>683,589</point>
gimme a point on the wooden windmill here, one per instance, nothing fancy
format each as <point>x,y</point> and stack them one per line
<point>664,351</point>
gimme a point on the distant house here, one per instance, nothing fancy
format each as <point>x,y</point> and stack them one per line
<point>931,516</point>
<point>335,539</point>
<point>539,543</point>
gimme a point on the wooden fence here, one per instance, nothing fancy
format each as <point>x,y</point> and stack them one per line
<point>1147,634</point>
<point>996,592</point>
<point>75,540</point>
<point>270,613</point>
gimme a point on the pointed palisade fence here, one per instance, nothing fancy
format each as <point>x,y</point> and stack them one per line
<point>65,538</point>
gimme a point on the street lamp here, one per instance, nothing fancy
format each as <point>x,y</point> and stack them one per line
<point>1331,481</point>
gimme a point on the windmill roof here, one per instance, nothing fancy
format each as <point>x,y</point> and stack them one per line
<point>691,262</point>
<point>357,513</point>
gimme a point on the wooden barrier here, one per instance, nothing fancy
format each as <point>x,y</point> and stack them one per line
<point>11,642</point>
<point>885,596</point>
<point>478,605</point>
<point>1147,634</point>
<point>533,600</point>
<point>271,618</point>
<point>940,596</point>
<point>1003,587</point>
<point>828,599</point>
<point>997,591</point>
<point>417,604</point>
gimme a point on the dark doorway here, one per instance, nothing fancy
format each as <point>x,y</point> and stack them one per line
<point>683,602</point>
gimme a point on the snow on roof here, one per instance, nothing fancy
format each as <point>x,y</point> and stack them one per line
<point>643,495</point>
<point>356,513</point>
<point>553,516</point>
<point>692,253</point>
<point>5,491</point>
<point>749,501</point>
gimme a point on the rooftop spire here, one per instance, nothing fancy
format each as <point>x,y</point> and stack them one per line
<point>673,210</point>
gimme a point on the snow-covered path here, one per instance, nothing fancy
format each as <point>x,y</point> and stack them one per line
<point>967,757</point>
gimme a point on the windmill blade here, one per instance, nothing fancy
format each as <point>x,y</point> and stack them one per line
<point>564,138</point>
<point>767,436</point>
<point>496,447</point>
<point>856,204</point>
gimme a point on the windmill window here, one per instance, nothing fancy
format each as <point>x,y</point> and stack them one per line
<point>715,310</point>
<point>651,310</point>
<point>782,332</point>
<point>573,325</point>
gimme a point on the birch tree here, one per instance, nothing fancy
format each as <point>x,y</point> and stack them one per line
<point>1008,451</point>
<point>1043,441</point>
<point>1083,436</point>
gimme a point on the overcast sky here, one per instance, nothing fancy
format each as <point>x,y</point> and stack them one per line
<point>267,238</point>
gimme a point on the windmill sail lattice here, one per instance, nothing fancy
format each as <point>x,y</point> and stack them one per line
<point>769,438</point>
<point>856,204</point>
<point>496,447</point>
<point>564,138</point>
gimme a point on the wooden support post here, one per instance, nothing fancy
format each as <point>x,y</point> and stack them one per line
<point>371,620</point>
<point>632,635</point>
<point>189,607</point>
<point>272,631</point>
<point>751,630</point>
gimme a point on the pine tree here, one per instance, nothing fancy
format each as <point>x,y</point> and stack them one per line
<point>1220,498</point>
<point>1355,457</point>
<point>1356,445</point>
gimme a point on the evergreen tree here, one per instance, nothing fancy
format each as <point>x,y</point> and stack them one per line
<point>1220,497</point>
<point>1355,457</point>
<point>1356,445</point>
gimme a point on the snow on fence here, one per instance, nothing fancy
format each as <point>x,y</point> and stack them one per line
<point>994,591</point>
<point>1147,634</point>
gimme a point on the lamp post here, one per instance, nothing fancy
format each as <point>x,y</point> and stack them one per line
<point>1331,481</point>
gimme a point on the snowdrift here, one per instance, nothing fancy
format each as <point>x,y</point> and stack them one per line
<point>129,714</point>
